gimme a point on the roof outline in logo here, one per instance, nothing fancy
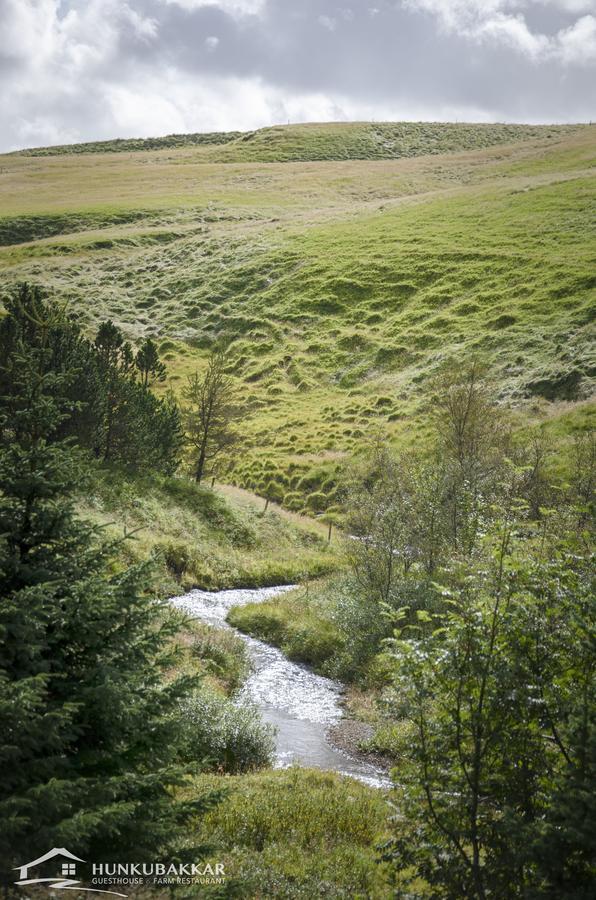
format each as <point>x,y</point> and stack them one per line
<point>55,851</point>
<point>56,882</point>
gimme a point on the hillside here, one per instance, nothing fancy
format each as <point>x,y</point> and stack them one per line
<point>342,284</point>
<point>201,537</point>
<point>326,141</point>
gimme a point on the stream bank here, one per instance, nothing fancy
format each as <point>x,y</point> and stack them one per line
<point>306,709</point>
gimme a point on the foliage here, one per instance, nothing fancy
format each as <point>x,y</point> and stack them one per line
<point>496,771</point>
<point>89,747</point>
<point>209,414</point>
<point>228,735</point>
<point>299,834</point>
<point>110,412</point>
<point>222,654</point>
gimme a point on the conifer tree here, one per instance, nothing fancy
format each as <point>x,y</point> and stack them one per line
<point>149,364</point>
<point>88,722</point>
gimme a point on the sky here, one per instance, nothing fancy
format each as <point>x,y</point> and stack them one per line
<point>80,70</point>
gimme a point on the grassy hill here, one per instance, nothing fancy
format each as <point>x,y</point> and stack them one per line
<point>342,283</point>
<point>325,141</point>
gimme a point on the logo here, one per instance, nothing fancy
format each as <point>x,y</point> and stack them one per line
<point>64,881</point>
<point>115,874</point>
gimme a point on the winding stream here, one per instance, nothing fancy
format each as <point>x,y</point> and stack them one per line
<point>300,704</point>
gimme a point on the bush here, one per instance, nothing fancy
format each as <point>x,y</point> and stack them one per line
<point>230,738</point>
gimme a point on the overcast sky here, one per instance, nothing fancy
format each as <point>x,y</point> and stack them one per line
<point>75,70</point>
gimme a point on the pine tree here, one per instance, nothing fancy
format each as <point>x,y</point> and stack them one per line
<point>149,364</point>
<point>88,722</point>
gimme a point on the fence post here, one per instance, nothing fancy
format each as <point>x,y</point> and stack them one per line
<point>329,533</point>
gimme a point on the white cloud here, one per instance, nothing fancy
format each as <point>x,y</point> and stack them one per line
<point>327,22</point>
<point>502,22</point>
<point>75,70</point>
<point>233,7</point>
<point>577,44</point>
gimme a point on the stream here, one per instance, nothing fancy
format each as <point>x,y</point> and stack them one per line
<point>299,703</point>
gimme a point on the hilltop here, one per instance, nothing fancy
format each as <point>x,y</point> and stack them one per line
<point>325,141</point>
<point>344,263</point>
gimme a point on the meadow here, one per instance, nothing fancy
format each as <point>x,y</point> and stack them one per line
<point>342,269</point>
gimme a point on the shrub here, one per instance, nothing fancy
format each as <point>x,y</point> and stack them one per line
<point>223,654</point>
<point>230,738</point>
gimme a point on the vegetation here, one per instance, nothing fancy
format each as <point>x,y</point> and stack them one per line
<point>407,312</point>
<point>209,415</point>
<point>480,564</point>
<point>85,651</point>
<point>299,833</point>
<point>339,286</point>
<point>326,141</point>
<point>110,413</point>
<point>201,537</point>
<point>129,145</point>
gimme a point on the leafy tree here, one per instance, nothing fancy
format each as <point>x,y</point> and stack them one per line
<point>209,414</point>
<point>89,740</point>
<point>499,707</point>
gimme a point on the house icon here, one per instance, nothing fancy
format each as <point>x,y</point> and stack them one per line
<point>68,869</point>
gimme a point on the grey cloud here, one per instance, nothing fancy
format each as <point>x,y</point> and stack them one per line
<point>92,69</point>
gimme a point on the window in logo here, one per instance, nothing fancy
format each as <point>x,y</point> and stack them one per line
<point>69,869</point>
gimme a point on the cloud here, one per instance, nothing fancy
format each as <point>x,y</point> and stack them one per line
<point>95,69</point>
<point>504,22</point>
<point>577,44</point>
<point>233,7</point>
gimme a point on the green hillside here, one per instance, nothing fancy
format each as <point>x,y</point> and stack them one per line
<point>325,141</point>
<point>341,284</point>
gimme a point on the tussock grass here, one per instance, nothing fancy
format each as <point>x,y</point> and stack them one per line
<point>200,538</point>
<point>340,285</point>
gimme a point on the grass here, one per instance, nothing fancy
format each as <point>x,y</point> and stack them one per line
<point>325,141</point>
<point>298,833</point>
<point>202,538</point>
<point>298,622</point>
<point>341,284</point>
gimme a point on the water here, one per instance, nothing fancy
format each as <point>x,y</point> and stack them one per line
<point>300,704</point>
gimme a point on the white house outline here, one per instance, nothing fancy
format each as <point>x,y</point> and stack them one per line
<point>56,851</point>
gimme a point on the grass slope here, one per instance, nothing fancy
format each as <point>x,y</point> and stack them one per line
<point>298,834</point>
<point>211,539</point>
<point>325,141</point>
<point>342,285</point>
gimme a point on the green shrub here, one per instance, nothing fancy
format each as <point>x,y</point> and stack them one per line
<point>223,654</point>
<point>228,737</point>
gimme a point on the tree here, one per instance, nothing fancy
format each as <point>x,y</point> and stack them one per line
<point>89,740</point>
<point>209,414</point>
<point>498,709</point>
<point>471,440</point>
<point>149,364</point>
<point>107,408</point>
<point>117,368</point>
